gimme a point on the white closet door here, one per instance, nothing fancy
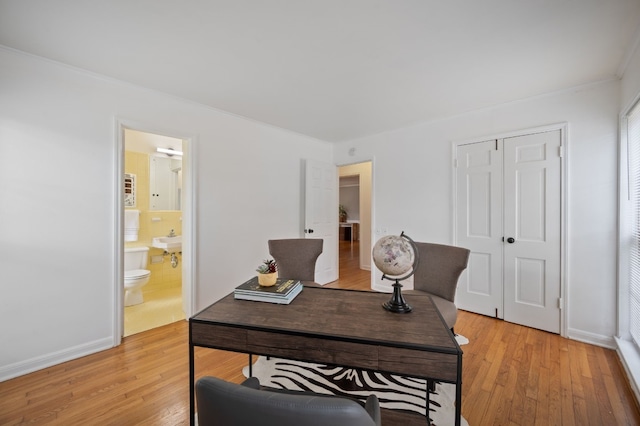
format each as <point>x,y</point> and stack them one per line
<point>508,214</point>
<point>479,227</point>
<point>532,230</point>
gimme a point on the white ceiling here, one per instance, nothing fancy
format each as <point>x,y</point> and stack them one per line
<point>334,69</point>
<point>147,143</point>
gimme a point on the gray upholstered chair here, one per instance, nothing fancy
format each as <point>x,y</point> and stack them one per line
<point>296,257</point>
<point>229,404</point>
<point>437,274</point>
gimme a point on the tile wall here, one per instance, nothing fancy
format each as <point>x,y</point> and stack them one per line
<point>153,224</point>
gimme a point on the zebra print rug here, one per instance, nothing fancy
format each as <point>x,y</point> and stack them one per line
<point>393,391</point>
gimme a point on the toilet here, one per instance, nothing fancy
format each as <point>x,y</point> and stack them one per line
<point>135,276</point>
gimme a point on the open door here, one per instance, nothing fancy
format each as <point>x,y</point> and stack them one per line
<point>321,216</point>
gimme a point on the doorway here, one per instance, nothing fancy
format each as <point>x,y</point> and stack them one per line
<point>166,297</point>
<point>355,195</point>
<point>508,198</point>
<point>156,198</point>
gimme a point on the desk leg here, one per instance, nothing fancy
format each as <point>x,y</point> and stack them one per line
<point>429,386</point>
<point>459,392</point>
<point>192,405</point>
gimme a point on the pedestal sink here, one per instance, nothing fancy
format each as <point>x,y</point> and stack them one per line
<point>169,244</point>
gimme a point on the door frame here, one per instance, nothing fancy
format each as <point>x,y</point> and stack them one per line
<point>563,127</point>
<point>189,147</point>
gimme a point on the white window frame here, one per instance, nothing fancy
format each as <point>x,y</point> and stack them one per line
<point>628,350</point>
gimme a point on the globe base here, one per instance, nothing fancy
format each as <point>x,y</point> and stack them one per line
<point>397,303</point>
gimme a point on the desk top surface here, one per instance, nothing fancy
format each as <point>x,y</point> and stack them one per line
<point>338,314</point>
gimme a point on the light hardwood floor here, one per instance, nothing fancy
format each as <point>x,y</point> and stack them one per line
<point>512,375</point>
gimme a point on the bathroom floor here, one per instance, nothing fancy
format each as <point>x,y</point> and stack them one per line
<point>160,307</point>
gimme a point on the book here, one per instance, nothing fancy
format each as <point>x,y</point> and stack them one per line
<point>281,288</point>
<point>284,291</point>
<point>270,299</point>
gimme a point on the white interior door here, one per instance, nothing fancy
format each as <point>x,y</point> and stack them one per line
<point>479,227</point>
<point>321,216</point>
<point>532,230</point>
<point>508,214</point>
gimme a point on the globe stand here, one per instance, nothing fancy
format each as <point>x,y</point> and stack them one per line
<point>397,303</point>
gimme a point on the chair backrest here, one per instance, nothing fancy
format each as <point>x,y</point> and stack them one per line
<point>220,403</point>
<point>439,268</point>
<point>296,257</point>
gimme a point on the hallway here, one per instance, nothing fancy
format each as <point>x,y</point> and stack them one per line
<point>350,274</point>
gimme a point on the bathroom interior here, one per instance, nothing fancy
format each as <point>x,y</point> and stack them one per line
<point>152,231</point>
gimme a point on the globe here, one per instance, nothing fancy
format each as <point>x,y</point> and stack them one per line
<point>397,257</point>
<point>393,255</point>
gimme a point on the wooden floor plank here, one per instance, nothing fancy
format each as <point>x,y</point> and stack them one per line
<point>542,397</point>
<point>555,388</point>
<point>494,406</point>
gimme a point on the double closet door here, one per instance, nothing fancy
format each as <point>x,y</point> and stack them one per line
<point>508,213</point>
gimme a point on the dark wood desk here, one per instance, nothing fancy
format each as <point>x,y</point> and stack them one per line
<point>332,326</point>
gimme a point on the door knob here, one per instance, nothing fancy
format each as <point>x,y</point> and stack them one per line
<point>511,240</point>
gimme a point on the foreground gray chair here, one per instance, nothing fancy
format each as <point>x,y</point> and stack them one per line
<point>296,257</point>
<point>220,403</point>
<point>437,274</point>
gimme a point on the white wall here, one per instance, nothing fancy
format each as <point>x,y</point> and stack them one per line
<point>413,187</point>
<point>57,192</point>
<point>630,87</point>
<point>350,198</point>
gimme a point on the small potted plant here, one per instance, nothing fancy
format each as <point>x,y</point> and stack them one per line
<point>342,213</point>
<point>267,273</point>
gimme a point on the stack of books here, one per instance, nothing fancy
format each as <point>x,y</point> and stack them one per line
<point>283,292</point>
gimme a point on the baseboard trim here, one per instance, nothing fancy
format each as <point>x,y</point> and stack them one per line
<point>38,363</point>
<point>630,360</point>
<point>591,338</point>
<point>382,288</point>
